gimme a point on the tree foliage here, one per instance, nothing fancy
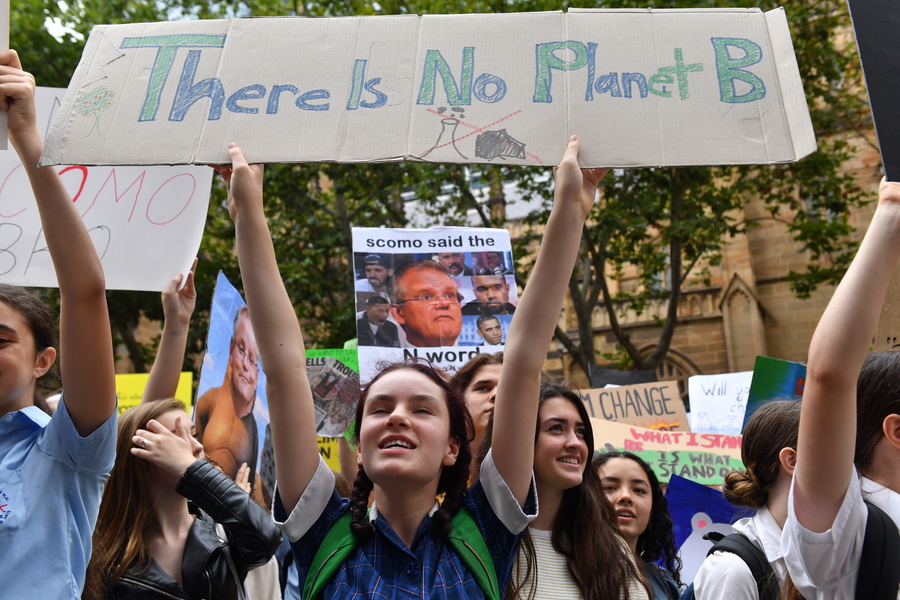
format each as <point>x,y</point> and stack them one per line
<point>664,221</point>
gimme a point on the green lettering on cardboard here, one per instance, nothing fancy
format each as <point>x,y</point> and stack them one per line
<point>730,70</point>
<point>457,94</point>
<point>547,62</point>
<point>681,70</point>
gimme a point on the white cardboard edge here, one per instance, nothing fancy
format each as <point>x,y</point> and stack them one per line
<point>803,136</point>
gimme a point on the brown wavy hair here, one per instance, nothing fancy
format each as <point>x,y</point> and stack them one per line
<point>466,373</point>
<point>585,530</point>
<point>773,426</point>
<point>126,509</point>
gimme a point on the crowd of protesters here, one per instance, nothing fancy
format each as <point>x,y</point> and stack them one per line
<point>483,484</point>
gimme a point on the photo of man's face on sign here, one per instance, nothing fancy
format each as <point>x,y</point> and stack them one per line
<point>427,304</point>
<point>231,413</point>
<point>420,293</point>
<point>457,264</point>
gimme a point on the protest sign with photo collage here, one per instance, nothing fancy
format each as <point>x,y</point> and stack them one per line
<point>443,295</point>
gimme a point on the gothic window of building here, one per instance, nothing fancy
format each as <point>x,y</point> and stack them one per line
<point>675,367</point>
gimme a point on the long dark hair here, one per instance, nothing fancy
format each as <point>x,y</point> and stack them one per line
<point>658,540</point>
<point>452,482</point>
<point>584,530</point>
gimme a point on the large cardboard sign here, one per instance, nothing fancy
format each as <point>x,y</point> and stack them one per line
<point>443,295</point>
<point>655,405</point>
<point>146,222</point>
<point>877,27</point>
<point>641,87</point>
<point>702,457</point>
<point>718,401</point>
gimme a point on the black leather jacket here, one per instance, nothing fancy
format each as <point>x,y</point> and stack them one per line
<point>252,540</point>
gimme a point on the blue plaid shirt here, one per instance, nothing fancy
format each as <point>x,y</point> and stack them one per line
<point>384,568</point>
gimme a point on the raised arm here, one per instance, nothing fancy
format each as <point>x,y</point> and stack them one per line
<point>178,306</point>
<point>291,411</point>
<point>516,406</point>
<point>86,352</point>
<point>827,436</point>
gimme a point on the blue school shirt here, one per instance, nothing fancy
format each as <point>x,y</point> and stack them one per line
<point>51,481</point>
<point>383,567</point>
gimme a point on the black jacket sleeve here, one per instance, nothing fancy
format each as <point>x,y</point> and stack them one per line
<point>252,535</point>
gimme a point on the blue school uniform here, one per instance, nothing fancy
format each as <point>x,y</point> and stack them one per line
<point>51,481</point>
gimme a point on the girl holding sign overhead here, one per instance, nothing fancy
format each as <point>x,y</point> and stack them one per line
<point>413,430</point>
<point>52,469</point>
<point>849,427</point>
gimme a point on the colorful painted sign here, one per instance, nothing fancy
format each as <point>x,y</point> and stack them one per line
<point>702,457</point>
<point>774,379</point>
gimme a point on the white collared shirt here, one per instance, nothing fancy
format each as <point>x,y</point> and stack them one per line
<point>725,576</point>
<point>824,566</point>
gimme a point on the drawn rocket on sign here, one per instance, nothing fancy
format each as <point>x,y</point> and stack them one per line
<point>492,144</point>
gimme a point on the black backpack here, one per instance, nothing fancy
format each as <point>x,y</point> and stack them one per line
<point>879,565</point>
<point>766,582</point>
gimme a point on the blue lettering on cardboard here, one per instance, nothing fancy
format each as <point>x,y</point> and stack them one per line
<point>166,48</point>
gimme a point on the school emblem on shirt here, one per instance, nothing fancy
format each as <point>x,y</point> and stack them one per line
<point>5,507</point>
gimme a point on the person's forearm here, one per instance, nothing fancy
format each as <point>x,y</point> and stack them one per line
<point>827,435</point>
<point>166,370</point>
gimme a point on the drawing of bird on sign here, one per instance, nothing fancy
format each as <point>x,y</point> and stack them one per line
<point>491,144</point>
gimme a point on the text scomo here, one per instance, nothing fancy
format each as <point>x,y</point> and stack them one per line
<point>107,203</point>
<point>732,58</point>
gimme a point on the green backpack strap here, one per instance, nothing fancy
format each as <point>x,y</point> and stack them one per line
<point>468,542</point>
<point>337,545</point>
<point>465,539</point>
